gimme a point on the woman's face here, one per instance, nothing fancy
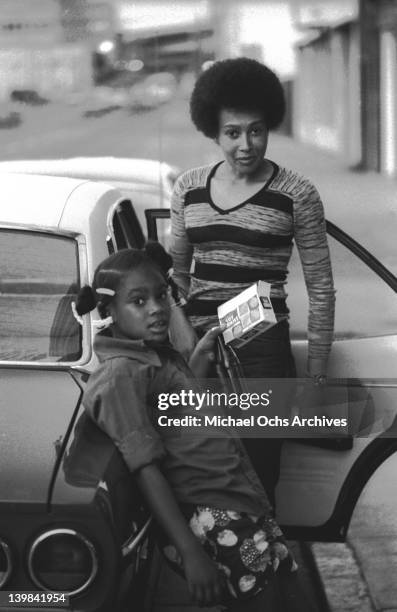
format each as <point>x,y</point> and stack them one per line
<point>243,137</point>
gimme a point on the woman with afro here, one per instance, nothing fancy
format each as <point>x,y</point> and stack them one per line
<point>234,223</point>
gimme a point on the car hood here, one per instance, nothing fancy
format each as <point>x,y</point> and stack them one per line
<point>36,409</point>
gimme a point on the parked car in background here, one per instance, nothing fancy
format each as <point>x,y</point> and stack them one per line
<point>70,517</point>
<point>152,91</point>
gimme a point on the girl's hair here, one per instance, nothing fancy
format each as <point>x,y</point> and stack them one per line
<point>112,270</point>
<point>239,84</point>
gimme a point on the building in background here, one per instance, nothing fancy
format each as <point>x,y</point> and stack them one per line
<point>160,35</point>
<point>261,29</point>
<point>378,22</point>
<point>212,29</point>
<point>345,95</point>
<point>327,88</point>
<point>47,46</point>
<point>93,24</point>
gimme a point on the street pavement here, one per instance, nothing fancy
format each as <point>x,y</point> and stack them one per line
<point>360,576</point>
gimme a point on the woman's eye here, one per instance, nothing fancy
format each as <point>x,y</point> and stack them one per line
<point>139,301</point>
<point>232,134</point>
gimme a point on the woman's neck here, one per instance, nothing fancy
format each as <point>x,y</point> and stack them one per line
<point>262,174</point>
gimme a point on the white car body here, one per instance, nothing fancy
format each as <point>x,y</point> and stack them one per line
<point>147,182</point>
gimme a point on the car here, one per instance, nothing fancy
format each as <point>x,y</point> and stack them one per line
<point>145,181</point>
<point>71,519</point>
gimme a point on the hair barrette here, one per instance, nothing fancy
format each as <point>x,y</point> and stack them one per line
<point>76,315</point>
<point>170,272</point>
<point>105,291</point>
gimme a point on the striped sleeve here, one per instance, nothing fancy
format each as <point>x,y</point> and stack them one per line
<point>181,250</point>
<point>311,240</point>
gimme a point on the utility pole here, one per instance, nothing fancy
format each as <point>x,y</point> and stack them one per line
<point>370,84</point>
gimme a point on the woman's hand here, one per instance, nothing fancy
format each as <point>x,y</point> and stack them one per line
<point>206,582</point>
<point>310,401</point>
<point>204,352</point>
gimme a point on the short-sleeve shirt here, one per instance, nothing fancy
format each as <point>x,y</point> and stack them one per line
<point>122,398</point>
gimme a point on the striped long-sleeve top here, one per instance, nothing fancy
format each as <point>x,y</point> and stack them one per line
<point>217,253</point>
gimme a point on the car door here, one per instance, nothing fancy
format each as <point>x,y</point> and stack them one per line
<point>39,340</point>
<point>319,486</point>
<point>321,479</point>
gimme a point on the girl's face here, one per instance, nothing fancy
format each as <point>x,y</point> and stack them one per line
<point>140,308</point>
<point>243,138</point>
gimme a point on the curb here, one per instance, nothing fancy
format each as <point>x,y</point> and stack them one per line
<point>342,580</point>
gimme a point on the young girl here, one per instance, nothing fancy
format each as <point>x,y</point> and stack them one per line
<point>213,515</point>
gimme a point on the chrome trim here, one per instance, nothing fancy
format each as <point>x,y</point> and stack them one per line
<point>55,532</point>
<point>86,344</point>
<point>109,225</point>
<point>41,229</point>
<point>132,542</point>
<point>7,551</point>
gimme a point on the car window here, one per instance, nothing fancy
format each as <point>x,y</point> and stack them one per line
<point>39,279</point>
<point>365,304</point>
<point>126,227</point>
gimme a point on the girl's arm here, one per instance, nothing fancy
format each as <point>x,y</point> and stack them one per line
<point>115,399</point>
<point>205,582</point>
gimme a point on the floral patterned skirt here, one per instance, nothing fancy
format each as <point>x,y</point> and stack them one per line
<point>247,549</point>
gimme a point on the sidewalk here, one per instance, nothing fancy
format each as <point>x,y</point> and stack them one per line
<point>360,576</point>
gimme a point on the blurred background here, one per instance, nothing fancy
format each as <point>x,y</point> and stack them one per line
<point>113,77</point>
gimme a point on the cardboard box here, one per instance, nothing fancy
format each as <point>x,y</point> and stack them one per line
<point>248,314</point>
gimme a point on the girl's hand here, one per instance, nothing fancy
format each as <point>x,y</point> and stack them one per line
<point>204,352</point>
<point>206,582</point>
<point>206,346</point>
<point>204,579</point>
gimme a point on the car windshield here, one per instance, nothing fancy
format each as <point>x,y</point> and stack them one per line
<point>38,281</point>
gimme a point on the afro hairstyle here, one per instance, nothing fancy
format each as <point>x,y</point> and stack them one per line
<point>239,84</point>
